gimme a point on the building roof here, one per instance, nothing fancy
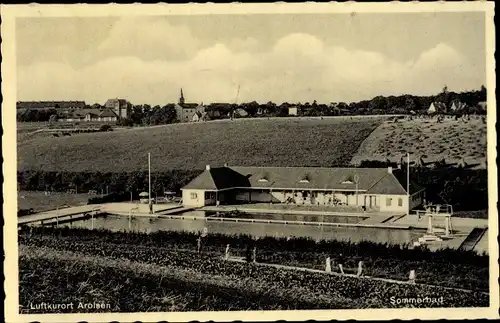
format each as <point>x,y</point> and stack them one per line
<point>241,112</point>
<point>218,179</point>
<point>92,112</point>
<point>113,101</point>
<point>187,105</point>
<point>107,113</point>
<point>372,180</point>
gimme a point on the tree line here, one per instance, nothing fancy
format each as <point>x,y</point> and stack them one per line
<point>145,114</point>
<point>106,183</point>
<point>465,189</point>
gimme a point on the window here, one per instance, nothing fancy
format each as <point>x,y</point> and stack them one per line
<point>194,196</point>
<point>400,202</point>
<point>388,201</point>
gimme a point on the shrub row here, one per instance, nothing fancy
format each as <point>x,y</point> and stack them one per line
<point>365,249</point>
<point>465,189</point>
<point>116,183</point>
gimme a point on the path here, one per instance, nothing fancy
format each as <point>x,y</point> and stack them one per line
<point>58,213</point>
<point>387,280</point>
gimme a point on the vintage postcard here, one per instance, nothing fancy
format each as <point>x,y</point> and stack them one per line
<point>249,162</point>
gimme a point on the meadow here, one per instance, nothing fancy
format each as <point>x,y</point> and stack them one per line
<point>276,142</point>
<point>40,202</point>
<point>432,140</point>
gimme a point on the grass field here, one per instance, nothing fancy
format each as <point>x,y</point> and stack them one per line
<point>450,140</point>
<point>40,202</point>
<point>276,142</point>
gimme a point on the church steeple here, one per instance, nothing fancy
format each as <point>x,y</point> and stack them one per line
<point>181,99</point>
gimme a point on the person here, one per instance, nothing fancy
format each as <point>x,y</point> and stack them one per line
<point>254,255</point>
<point>340,260</point>
<point>150,208</point>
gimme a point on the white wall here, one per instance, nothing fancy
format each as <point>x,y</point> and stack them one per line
<point>394,207</point>
<point>193,198</point>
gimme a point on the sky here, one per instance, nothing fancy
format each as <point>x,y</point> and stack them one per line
<point>270,57</point>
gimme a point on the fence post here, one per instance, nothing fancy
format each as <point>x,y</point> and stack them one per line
<point>360,268</point>
<point>226,257</point>
<point>328,265</point>
<point>412,277</point>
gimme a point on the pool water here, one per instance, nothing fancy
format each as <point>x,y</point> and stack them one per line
<point>354,234</point>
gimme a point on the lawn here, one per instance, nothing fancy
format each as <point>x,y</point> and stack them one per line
<point>451,140</point>
<point>39,202</point>
<point>277,142</point>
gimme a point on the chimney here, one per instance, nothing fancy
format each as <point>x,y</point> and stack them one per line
<point>207,167</point>
<point>389,169</point>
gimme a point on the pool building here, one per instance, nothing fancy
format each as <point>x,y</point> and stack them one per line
<point>370,189</point>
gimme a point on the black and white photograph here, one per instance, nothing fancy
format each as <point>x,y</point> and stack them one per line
<point>256,162</point>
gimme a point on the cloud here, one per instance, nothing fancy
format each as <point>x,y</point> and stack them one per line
<point>298,68</point>
<point>149,38</point>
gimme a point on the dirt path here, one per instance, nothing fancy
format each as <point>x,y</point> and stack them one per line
<point>387,280</point>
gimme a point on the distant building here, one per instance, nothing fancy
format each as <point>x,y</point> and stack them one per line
<point>121,107</point>
<point>186,111</point>
<point>482,105</point>
<point>50,105</point>
<point>200,116</point>
<point>377,189</point>
<point>90,115</point>
<point>107,115</point>
<point>240,113</point>
<point>293,111</point>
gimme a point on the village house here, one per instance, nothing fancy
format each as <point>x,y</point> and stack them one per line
<point>482,106</point>
<point>89,115</point>
<point>379,189</point>
<point>187,112</point>
<point>240,113</point>
<point>293,111</point>
<point>121,107</point>
<point>201,116</point>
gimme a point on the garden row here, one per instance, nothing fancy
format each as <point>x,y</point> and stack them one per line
<point>192,282</point>
<point>447,267</point>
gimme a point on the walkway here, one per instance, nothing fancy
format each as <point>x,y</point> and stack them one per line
<point>299,210</point>
<point>387,280</point>
<point>59,213</point>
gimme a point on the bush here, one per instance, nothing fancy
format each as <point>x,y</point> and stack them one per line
<point>105,127</point>
<point>109,198</point>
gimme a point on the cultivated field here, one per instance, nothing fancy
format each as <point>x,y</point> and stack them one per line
<point>40,202</point>
<point>163,272</point>
<point>285,142</point>
<point>451,140</point>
